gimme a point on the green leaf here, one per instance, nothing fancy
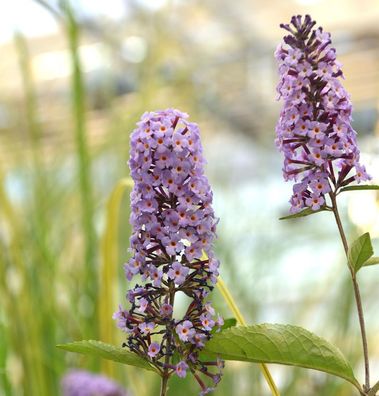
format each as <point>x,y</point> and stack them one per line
<point>360,251</point>
<point>371,261</point>
<point>282,344</point>
<point>107,351</point>
<point>228,323</point>
<point>362,187</point>
<point>176,358</point>
<point>303,213</point>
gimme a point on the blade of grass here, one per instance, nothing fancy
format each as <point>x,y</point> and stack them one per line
<point>109,285</point>
<point>84,164</point>
<point>39,224</point>
<point>241,320</point>
<point>108,291</point>
<point>24,333</point>
<point>5,386</point>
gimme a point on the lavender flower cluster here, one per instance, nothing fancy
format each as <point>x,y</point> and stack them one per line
<point>314,130</point>
<point>84,383</point>
<point>173,229</point>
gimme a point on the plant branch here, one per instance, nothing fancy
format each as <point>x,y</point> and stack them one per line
<point>357,293</point>
<point>374,390</point>
<point>164,385</point>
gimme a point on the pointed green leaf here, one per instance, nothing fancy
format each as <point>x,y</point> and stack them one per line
<point>360,251</point>
<point>362,187</point>
<point>371,261</point>
<point>303,213</point>
<point>282,344</point>
<point>228,323</point>
<point>107,351</point>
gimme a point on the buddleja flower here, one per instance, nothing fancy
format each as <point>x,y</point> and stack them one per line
<point>173,229</point>
<point>83,383</point>
<point>314,130</point>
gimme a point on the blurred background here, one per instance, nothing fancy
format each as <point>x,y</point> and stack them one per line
<point>74,79</point>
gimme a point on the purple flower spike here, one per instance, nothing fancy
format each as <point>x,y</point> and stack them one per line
<point>84,383</point>
<point>314,130</point>
<point>173,225</point>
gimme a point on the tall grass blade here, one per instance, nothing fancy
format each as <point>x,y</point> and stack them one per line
<point>24,328</point>
<point>83,156</point>
<point>109,285</point>
<point>241,320</point>
<point>37,229</point>
<point>108,292</point>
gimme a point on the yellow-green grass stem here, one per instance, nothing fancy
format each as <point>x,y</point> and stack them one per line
<point>241,321</point>
<point>109,287</point>
<point>25,340</point>
<point>83,155</point>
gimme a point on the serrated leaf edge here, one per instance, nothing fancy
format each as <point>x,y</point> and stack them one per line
<point>340,356</point>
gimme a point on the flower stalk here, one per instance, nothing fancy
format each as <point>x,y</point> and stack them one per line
<point>173,223</point>
<point>315,134</point>
<point>357,293</point>
<point>164,383</point>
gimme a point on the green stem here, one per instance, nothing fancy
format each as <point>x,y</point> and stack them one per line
<point>357,293</point>
<point>164,385</point>
<point>166,375</point>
